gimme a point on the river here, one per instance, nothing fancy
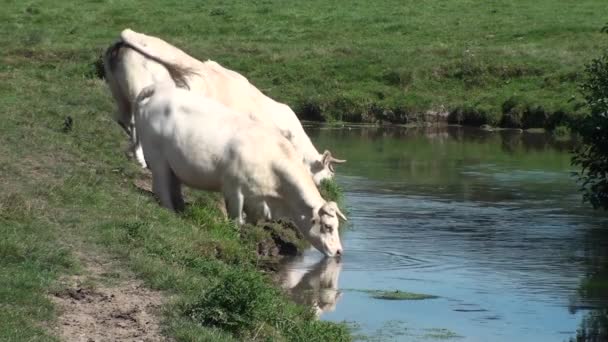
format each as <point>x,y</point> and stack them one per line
<point>491,223</point>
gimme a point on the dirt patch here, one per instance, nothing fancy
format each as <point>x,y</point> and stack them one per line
<point>144,184</point>
<point>107,304</point>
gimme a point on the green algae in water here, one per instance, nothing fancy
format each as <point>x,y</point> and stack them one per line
<point>396,330</point>
<point>399,295</point>
<point>395,294</point>
<point>440,334</point>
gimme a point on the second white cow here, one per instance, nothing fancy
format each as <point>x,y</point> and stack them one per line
<point>139,60</point>
<point>192,140</point>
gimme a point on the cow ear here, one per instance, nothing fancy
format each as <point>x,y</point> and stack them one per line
<point>327,209</point>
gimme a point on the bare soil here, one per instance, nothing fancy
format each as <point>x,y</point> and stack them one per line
<point>106,303</point>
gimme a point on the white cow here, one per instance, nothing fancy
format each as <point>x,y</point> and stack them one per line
<point>190,139</point>
<point>139,60</point>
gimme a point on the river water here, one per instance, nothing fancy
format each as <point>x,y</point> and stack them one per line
<point>489,222</point>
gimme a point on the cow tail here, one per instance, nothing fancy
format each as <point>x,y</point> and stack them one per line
<point>178,73</point>
<point>110,60</point>
<point>110,57</point>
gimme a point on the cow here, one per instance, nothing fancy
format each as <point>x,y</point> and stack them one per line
<point>138,60</point>
<point>192,140</point>
<point>316,286</point>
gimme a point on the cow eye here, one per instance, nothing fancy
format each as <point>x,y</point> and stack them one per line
<point>328,228</point>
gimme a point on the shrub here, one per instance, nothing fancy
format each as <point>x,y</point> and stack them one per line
<point>592,154</point>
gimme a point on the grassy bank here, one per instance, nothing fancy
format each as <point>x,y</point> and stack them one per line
<point>64,189</point>
<point>513,64</point>
<point>66,185</point>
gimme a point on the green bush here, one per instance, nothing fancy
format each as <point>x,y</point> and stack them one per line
<point>592,155</point>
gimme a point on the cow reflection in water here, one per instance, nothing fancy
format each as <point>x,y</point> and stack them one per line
<point>316,286</point>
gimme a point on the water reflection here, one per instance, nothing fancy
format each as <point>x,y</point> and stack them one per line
<point>508,140</point>
<point>593,291</point>
<point>315,286</point>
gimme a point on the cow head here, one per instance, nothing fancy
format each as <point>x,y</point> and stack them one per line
<point>324,168</point>
<point>324,232</point>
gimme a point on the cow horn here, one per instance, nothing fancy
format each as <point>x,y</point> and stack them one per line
<point>340,214</point>
<point>338,161</point>
<point>328,158</point>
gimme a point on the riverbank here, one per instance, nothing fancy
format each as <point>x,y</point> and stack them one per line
<point>71,202</point>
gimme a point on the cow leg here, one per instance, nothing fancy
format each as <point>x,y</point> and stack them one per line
<point>137,149</point>
<point>251,213</point>
<point>161,184</point>
<point>266,211</point>
<point>139,155</point>
<point>176,191</point>
<point>258,210</point>
<point>234,204</point>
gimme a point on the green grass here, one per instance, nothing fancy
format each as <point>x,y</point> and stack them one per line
<point>331,191</point>
<point>515,63</point>
<point>29,264</point>
<point>51,205</point>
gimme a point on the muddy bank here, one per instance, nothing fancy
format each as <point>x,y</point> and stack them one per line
<point>106,303</point>
<point>514,113</point>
